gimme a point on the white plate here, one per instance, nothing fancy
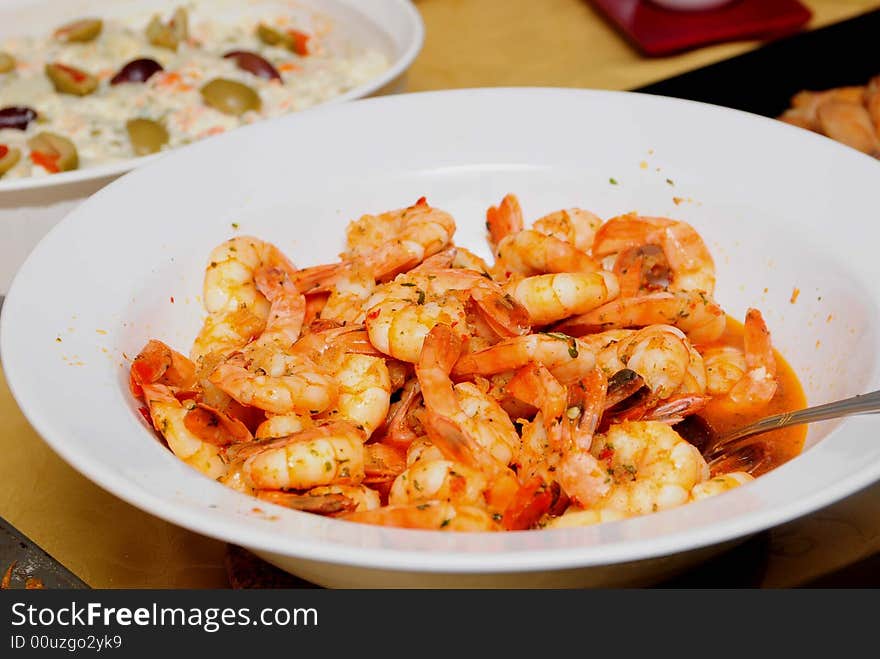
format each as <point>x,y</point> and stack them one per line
<point>29,207</point>
<point>392,26</point>
<point>780,208</point>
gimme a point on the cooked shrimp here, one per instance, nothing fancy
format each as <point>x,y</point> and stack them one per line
<point>421,449</point>
<point>531,252</point>
<point>215,426</point>
<point>576,517</point>
<point>553,297</point>
<point>280,384</point>
<point>332,500</point>
<point>399,431</point>
<point>287,309</point>
<point>566,357</point>
<point>665,359</point>
<point>651,467</point>
<point>693,312</point>
<point>642,269</point>
<point>157,363</point>
<point>467,260</point>
<point>364,392</point>
<point>225,333</point>
<point>383,463</point>
<point>573,225</point>
<point>331,454</point>
<point>583,478</point>
<point>439,480</point>
<point>321,503</point>
<point>688,257</point>
<point>435,515</point>
<point>467,425</point>
<point>230,279</point>
<point>719,484</point>
<point>872,102</point>
<point>419,231</point>
<point>402,312</point>
<point>725,366</point>
<point>282,425</point>
<point>808,102</point>
<point>504,220</point>
<point>758,384</point>
<point>167,414</point>
<point>850,124</point>
<point>363,497</point>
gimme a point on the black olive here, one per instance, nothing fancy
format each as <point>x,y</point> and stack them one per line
<point>17,116</point>
<point>137,70</point>
<point>253,63</point>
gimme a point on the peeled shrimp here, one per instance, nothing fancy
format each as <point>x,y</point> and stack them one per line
<point>566,357</point>
<point>280,384</point>
<point>230,279</point>
<point>435,515</point>
<point>665,359</point>
<point>850,124</point>
<point>439,480</point>
<point>573,225</point>
<point>689,259</point>
<point>402,312</point>
<point>465,424</point>
<point>553,297</point>
<point>576,517</point>
<point>758,383</point>
<point>651,467</point>
<point>719,484</point>
<point>418,231</point>
<point>531,252</point>
<point>168,416</point>
<point>225,333</point>
<point>693,312</point>
<point>331,454</point>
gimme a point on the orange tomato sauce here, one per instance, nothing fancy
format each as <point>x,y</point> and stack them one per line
<point>782,444</point>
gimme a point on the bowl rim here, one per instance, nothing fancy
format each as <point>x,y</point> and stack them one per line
<point>401,63</point>
<point>224,527</point>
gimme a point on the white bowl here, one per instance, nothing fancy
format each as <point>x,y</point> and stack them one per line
<point>30,206</point>
<point>779,207</point>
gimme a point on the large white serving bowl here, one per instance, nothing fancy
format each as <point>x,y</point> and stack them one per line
<point>30,206</point>
<point>780,208</point>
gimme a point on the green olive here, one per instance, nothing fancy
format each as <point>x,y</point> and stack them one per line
<point>230,97</point>
<point>146,136</point>
<point>53,152</point>
<point>7,62</point>
<point>9,157</point>
<point>169,35</point>
<point>272,37</point>
<point>294,40</point>
<point>83,30</point>
<point>70,80</point>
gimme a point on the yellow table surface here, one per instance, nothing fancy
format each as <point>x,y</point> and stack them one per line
<point>469,43</point>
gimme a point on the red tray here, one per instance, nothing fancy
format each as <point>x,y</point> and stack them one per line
<point>658,31</point>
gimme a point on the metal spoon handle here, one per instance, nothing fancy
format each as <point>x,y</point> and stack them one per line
<point>862,404</point>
